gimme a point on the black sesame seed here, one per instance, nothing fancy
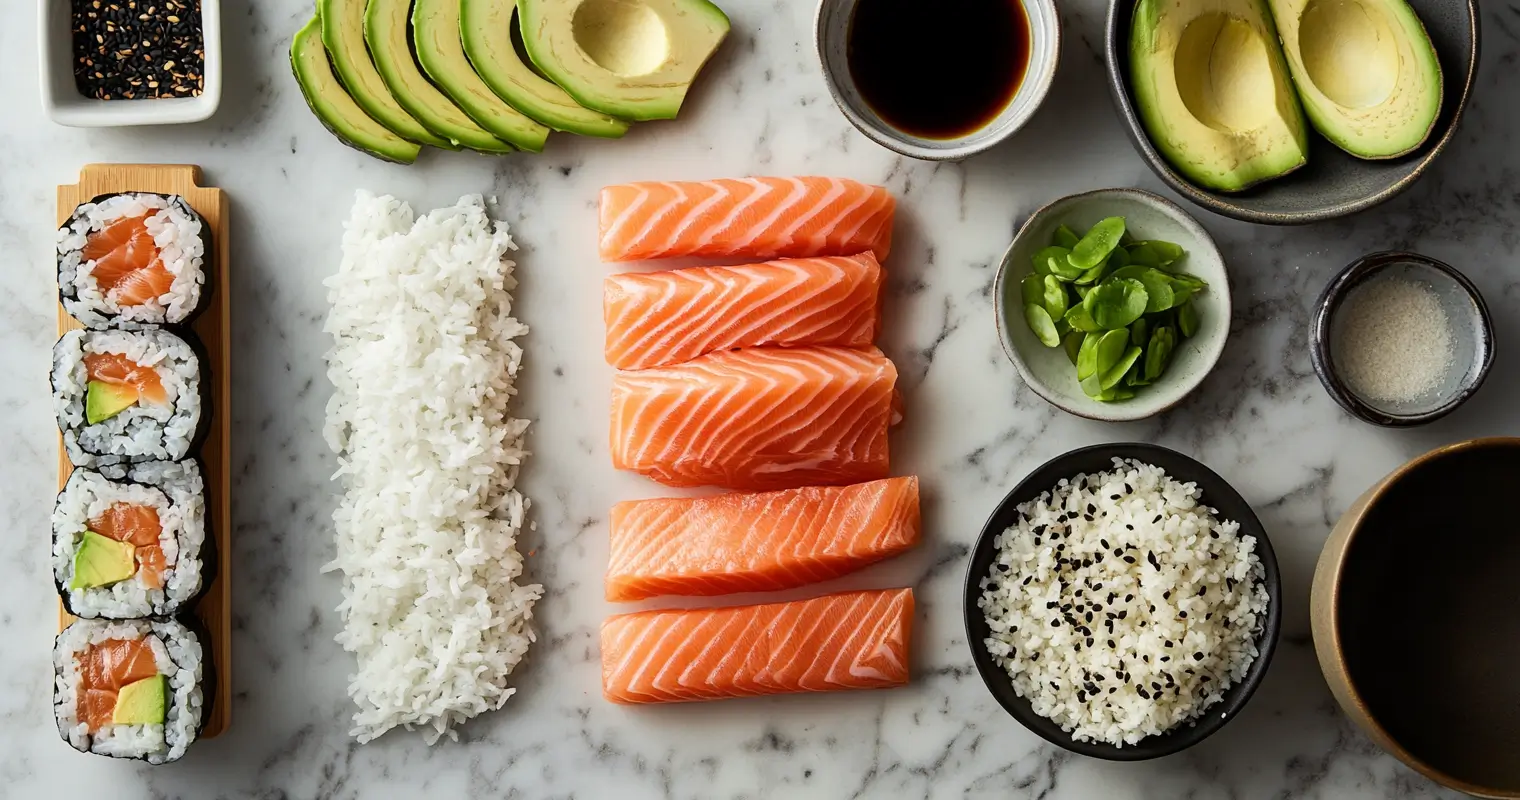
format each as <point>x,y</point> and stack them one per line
<point>1129,489</point>
<point>1198,656</point>
<point>1111,643</point>
<point>1103,542</point>
<point>1167,595</point>
<point>1168,642</point>
<point>1055,623</point>
<point>1129,598</point>
<point>1151,557</point>
<point>1182,614</point>
<point>1115,496</point>
<point>1165,659</point>
<point>1089,641</point>
<point>1130,559</point>
<point>1156,520</point>
<point>1202,589</point>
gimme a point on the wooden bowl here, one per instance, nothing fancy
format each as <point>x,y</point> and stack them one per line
<point>1333,183</point>
<point>1416,616</point>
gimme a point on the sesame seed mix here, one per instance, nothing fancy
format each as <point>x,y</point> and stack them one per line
<point>1191,594</point>
<point>138,49</point>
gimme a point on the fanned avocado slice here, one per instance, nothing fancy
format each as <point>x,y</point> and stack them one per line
<point>435,32</point>
<point>631,60</point>
<point>335,108</point>
<point>385,31</point>
<point>487,28</point>
<point>343,34</point>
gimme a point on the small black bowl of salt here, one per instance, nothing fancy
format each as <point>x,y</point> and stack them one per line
<point>1401,339</point>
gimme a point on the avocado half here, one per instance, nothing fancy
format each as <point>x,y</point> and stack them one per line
<point>343,35</point>
<point>486,27</point>
<point>1366,71</point>
<point>385,32</point>
<point>1214,93</point>
<point>333,105</point>
<point>435,33</point>
<point>631,60</point>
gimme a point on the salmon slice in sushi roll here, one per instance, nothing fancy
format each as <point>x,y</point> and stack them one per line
<point>127,396</point>
<point>131,689</point>
<point>130,541</point>
<point>132,260</point>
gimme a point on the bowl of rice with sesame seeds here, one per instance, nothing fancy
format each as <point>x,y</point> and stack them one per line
<point>1123,602</point>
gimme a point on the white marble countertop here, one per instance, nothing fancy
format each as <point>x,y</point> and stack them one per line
<point>1261,420</point>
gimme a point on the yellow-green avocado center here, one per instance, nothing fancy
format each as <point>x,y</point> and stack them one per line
<point>141,703</point>
<point>1213,92</point>
<point>102,561</point>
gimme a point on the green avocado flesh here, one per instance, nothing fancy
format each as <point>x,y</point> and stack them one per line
<point>487,28</point>
<point>102,561</point>
<point>141,703</point>
<point>385,31</point>
<point>343,34</point>
<point>435,32</point>
<point>105,400</point>
<point>336,108</point>
<point>1365,70</point>
<point>631,60</point>
<point>1214,93</point>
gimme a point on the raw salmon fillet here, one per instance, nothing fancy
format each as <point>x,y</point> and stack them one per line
<point>757,542</point>
<point>855,640</point>
<point>745,218</point>
<point>762,418</point>
<point>658,318</point>
<point>125,262</point>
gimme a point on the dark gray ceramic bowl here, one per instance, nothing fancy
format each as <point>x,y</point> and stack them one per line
<point>1472,337</point>
<point>1333,183</point>
<point>1218,494</point>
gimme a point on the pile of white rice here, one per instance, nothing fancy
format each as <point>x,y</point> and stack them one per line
<point>422,366</point>
<point>1120,606</point>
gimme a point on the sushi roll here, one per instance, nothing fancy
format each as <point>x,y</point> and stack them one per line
<point>130,541</point>
<point>132,260</point>
<point>133,689</point>
<point>126,396</point>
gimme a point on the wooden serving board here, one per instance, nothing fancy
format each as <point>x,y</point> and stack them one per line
<point>214,329</point>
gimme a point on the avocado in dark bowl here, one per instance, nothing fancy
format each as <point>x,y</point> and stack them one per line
<point>1217,494</point>
<point>1285,172</point>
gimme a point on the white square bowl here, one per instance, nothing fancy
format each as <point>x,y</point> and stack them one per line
<point>66,106</point>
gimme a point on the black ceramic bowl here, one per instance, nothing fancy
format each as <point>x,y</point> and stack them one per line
<point>1472,336</point>
<point>1217,494</point>
<point>1333,183</point>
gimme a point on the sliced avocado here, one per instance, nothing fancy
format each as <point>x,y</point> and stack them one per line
<point>102,561</point>
<point>337,110</point>
<point>343,34</point>
<point>105,400</point>
<point>1365,70</point>
<point>435,32</point>
<point>489,29</point>
<point>385,31</point>
<point>1213,92</point>
<point>632,59</point>
<point>141,702</point>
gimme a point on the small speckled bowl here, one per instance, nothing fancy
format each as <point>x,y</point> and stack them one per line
<point>831,34</point>
<point>1472,338</point>
<point>1218,494</point>
<point>1048,370</point>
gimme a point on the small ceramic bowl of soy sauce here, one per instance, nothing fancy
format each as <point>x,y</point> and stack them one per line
<point>937,85</point>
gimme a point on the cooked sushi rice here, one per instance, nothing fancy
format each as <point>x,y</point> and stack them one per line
<point>129,689</point>
<point>130,541</point>
<point>423,365</point>
<point>131,260</point>
<point>154,373</point>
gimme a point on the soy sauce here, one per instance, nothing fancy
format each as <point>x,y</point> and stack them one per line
<point>942,69</point>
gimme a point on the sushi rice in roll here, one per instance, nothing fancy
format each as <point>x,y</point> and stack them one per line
<point>131,260</point>
<point>126,396</point>
<point>130,689</point>
<point>130,541</point>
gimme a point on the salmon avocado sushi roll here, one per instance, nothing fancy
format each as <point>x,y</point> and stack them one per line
<point>127,396</point>
<point>131,260</point>
<point>130,541</point>
<point>130,689</point>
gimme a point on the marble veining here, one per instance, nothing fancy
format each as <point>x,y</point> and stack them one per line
<point>973,430</point>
